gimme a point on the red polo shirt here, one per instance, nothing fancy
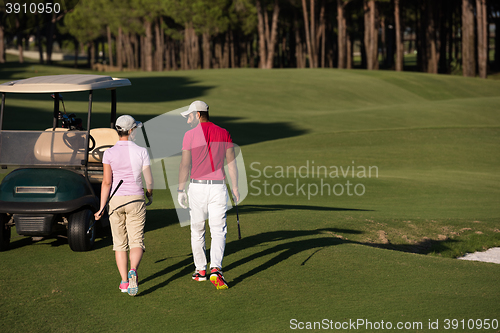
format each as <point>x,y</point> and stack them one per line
<point>207,143</point>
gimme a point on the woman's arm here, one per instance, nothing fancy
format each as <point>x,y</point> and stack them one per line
<point>148,177</point>
<point>107,179</point>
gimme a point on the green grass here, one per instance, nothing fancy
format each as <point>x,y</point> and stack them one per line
<point>385,255</point>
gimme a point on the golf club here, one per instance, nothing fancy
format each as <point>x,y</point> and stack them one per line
<point>237,215</point>
<point>238,220</point>
<point>61,99</point>
<point>107,202</point>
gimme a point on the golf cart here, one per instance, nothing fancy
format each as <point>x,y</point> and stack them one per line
<point>57,172</point>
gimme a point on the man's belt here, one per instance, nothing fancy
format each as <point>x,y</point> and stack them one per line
<point>205,181</point>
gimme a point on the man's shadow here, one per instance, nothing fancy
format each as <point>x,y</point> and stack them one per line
<point>280,245</point>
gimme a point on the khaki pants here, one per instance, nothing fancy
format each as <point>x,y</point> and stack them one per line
<point>127,218</point>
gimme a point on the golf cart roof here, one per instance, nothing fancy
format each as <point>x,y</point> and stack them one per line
<point>63,83</point>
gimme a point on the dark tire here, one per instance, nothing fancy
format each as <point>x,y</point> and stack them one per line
<point>4,233</point>
<point>78,224</point>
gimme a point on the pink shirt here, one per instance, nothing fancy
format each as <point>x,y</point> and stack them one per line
<point>127,161</point>
<point>207,143</point>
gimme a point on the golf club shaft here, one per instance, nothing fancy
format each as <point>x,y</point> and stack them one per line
<point>235,205</point>
<point>107,202</point>
<point>238,219</point>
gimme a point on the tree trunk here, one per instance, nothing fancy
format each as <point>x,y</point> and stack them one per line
<point>232,55</point>
<point>299,52</point>
<point>308,35</point>
<point>262,36</point>
<point>148,47</point>
<point>38,43</point>
<point>314,44</point>
<point>399,38</point>
<point>225,59</point>
<point>19,42</point>
<point>129,44</point>
<point>92,54</point>
<point>207,53</point>
<point>348,52</point>
<point>383,41</point>
<point>173,56</point>
<point>183,55</point>
<point>482,38</point>
<point>371,34</point>
<point>50,38</point>
<point>271,43</point>
<point>110,46</point>
<point>341,35</point>
<point>468,59</point>
<point>323,42</point>
<point>142,55</point>
<point>195,49</point>
<point>77,44</point>
<point>135,42</point>
<point>167,54</point>
<point>374,33</point>
<point>2,45</point>
<point>430,37</point>
<point>159,46</point>
<point>444,40</point>
<point>119,49</point>
<point>244,53</point>
<point>20,48</point>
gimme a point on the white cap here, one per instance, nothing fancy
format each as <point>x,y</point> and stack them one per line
<point>195,106</point>
<point>126,122</point>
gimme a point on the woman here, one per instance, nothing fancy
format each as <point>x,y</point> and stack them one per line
<point>127,209</point>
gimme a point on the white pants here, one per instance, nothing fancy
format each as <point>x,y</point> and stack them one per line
<point>208,200</point>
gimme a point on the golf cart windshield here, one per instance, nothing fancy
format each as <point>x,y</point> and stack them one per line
<point>43,148</point>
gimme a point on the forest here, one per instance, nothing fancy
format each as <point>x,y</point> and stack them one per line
<point>446,36</point>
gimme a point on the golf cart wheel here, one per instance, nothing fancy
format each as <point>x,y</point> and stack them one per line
<point>4,233</point>
<point>78,224</point>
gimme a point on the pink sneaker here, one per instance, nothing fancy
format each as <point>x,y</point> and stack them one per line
<point>124,286</point>
<point>200,275</point>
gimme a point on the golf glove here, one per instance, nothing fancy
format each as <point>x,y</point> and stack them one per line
<point>183,200</point>
<point>150,198</point>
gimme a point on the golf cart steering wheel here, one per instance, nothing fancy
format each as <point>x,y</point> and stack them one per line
<point>98,152</point>
<point>67,140</point>
<point>92,140</point>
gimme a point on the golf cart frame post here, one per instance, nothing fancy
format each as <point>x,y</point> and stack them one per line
<point>53,186</point>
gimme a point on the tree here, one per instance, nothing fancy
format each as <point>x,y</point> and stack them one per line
<point>482,38</point>
<point>85,25</point>
<point>314,31</point>
<point>342,33</point>
<point>399,37</point>
<point>371,34</point>
<point>468,57</point>
<point>267,34</point>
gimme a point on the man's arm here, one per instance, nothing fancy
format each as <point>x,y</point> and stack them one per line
<point>184,169</point>
<point>233,172</point>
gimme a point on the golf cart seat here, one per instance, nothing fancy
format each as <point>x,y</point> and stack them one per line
<point>60,146</point>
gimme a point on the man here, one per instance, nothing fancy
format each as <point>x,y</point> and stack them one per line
<point>204,149</point>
